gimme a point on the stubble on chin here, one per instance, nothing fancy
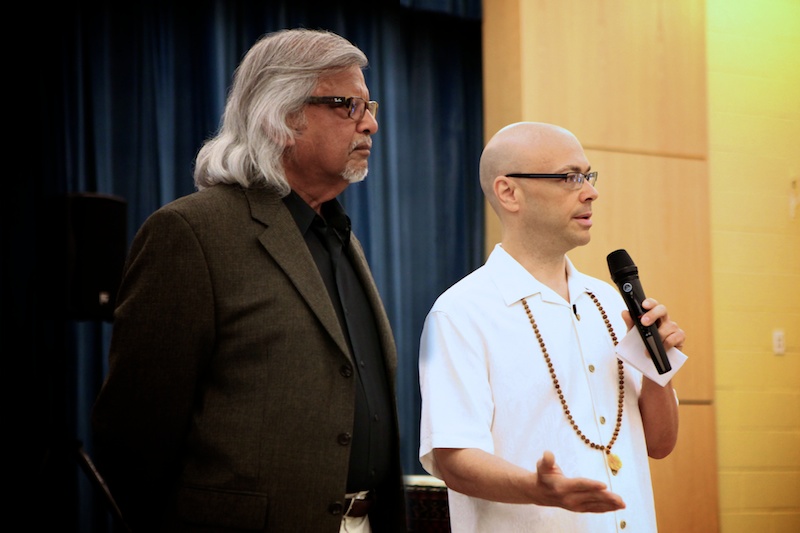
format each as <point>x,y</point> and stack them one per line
<point>355,171</point>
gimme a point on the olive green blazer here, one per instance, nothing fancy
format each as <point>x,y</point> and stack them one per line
<point>230,395</point>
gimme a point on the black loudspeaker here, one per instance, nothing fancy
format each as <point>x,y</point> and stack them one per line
<point>88,255</point>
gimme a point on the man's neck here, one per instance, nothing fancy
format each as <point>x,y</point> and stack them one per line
<point>549,269</point>
<point>316,194</point>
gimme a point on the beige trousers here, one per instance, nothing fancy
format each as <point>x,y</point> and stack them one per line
<point>352,524</point>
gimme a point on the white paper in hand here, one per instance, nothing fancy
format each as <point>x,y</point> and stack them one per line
<point>633,351</point>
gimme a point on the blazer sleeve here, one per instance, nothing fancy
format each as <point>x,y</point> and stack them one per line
<point>163,334</point>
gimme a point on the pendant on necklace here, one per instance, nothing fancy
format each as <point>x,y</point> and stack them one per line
<point>614,463</point>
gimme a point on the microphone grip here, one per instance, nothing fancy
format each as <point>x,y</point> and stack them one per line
<point>633,294</point>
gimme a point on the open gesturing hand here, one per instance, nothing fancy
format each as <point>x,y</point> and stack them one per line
<point>574,494</point>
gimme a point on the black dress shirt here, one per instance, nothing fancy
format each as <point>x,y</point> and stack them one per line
<point>328,240</point>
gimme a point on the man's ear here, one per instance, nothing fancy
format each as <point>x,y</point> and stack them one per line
<point>506,192</point>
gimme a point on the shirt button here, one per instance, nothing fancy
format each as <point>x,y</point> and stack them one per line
<point>602,420</point>
<point>622,524</point>
<point>591,368</point>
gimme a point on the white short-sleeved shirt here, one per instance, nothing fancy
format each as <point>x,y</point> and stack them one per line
<point>485,385</point>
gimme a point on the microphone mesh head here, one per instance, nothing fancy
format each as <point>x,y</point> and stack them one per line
<point>620,264</point>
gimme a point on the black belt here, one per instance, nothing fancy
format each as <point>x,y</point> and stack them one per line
<point>359,506</point>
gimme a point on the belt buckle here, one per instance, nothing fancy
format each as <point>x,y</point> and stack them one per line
<point>358,503</point>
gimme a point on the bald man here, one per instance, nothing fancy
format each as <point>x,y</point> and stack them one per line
<point>528,416</point>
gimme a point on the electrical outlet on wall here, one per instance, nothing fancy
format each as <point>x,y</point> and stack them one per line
<point>778,342</point>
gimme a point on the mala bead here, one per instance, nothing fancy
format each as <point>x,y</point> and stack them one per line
<point>614,462</point>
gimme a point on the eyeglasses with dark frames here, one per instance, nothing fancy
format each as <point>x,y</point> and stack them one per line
<point>572,179</point>
<point>356,106</point>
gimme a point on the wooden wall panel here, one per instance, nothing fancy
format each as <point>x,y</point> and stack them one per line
<point>502,59</point>
<point>625,75</point>
<point>685,482</point>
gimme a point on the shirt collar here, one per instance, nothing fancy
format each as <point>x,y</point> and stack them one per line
<point>515,283</point>
<point>304,215</point>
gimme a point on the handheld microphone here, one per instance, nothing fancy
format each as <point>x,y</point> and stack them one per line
<point>626,276</point>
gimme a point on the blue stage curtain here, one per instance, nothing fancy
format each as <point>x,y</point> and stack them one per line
<point>461,8</point>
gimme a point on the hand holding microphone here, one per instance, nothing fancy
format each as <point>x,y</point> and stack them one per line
<point>626,275</point>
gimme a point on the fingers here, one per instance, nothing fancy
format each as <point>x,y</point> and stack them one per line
<point>655,311</point>
<point>589,496</point>
<point>611,502</point>
<point>575,494</point>
<point>547,462</point>
<point>671,334</point>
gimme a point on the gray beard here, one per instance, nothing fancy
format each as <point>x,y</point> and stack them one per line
<point>354,175</point>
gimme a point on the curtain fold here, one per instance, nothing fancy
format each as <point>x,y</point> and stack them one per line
<point>136,88</point>
<point>462,8</point>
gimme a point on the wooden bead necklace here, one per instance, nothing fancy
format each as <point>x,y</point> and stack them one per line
<point>614,462</point>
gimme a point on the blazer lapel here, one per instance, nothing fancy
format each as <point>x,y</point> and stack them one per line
<point>283,241</point>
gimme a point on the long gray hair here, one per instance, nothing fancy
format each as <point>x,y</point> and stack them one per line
<point>270,85</point>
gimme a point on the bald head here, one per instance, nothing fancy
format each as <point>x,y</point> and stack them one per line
<point>528,147</point>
